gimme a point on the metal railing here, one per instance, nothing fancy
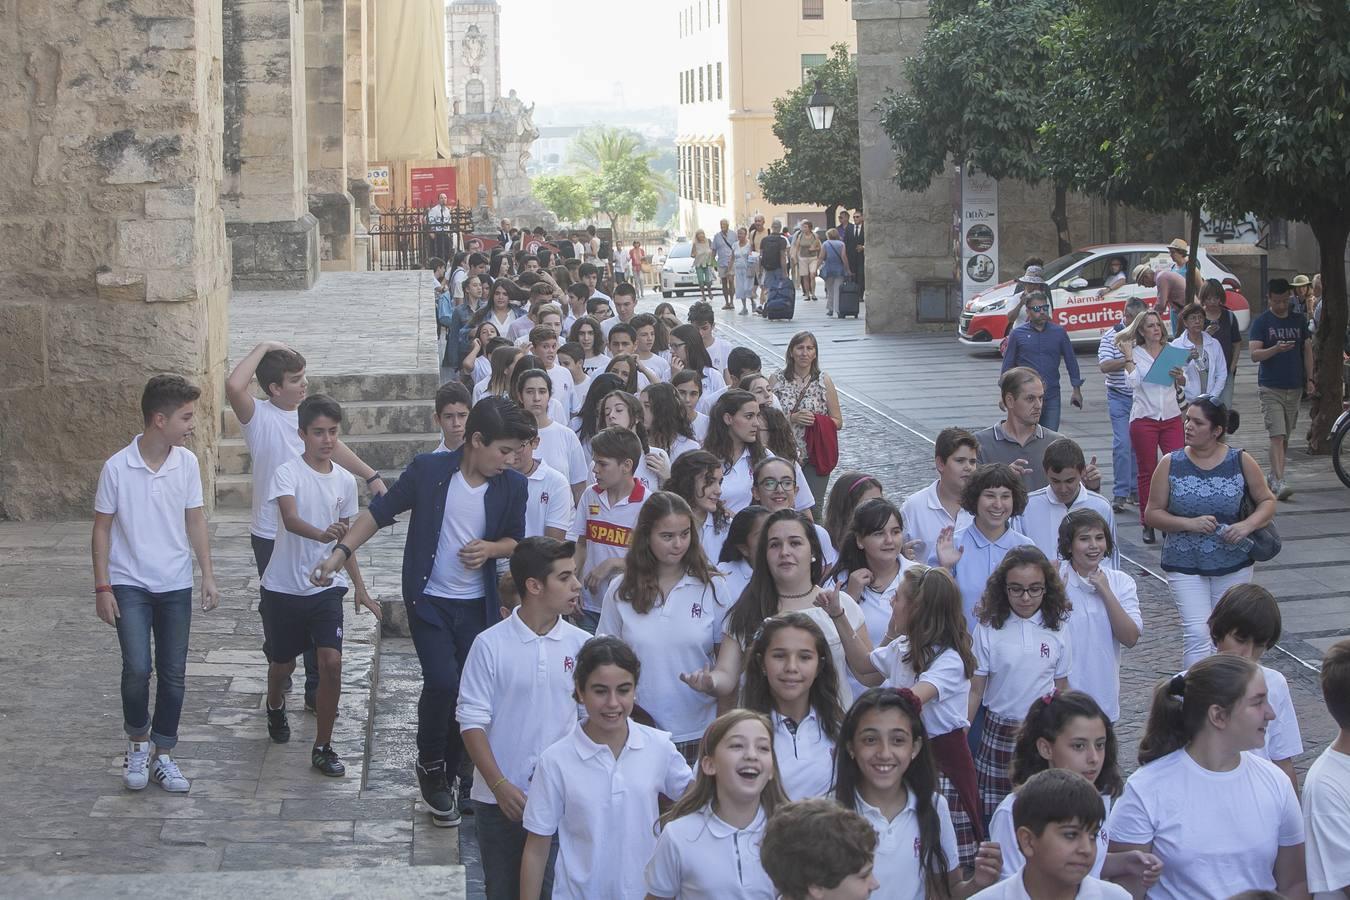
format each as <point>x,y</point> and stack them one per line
<point>401,239</point>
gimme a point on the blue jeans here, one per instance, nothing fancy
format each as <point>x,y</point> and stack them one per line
<point>1049,416</point>
<point>501,844</point>
<point>262,555</point>
<point>442,631</point>
<point>166,617</point>
<point>1124,469</point>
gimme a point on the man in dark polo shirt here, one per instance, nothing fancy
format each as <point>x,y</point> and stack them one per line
<point>1020,440</point>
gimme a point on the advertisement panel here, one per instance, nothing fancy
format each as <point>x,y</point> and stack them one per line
<point>428,183</point>
<point>979,232</point>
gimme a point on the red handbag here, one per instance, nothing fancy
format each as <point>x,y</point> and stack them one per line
<point>822,444</point>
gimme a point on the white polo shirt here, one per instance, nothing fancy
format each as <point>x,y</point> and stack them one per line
<point>876,599</point>
<point>644,473</point>
<point>805,757</point>
<point>718,352</point>
<point>1022,660</point>
<point>1212,830</point>
<point>925,516</point>
<point>1096,662</point>
<point>1002,832</point>
<point>272,436</point>
<point>738,576</point>
<point>679,635</point>
<point>897,863</point>
<point>822,618</point>
<point>1044,513</point>
<point>700,426</point>
<point>1284,740</point>
<point>517,689</point>
<point>602,808</point>
<point>712,539</point>
<point>560,447</point>
<point>1326,817</point>
<point>657,366</point>
<point>550,504</point>
<point>563,386</point>
<point>608,530</point>
<point>700,857</point>
<point>148,546</point>
<point>946,672</point>
<point>738,480</point>
<point>320,500</point>
<point>1088,889</point>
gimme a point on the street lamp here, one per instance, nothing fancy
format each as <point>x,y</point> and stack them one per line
<point>820,109</point>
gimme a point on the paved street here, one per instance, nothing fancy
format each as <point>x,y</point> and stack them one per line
<point>255,805</point>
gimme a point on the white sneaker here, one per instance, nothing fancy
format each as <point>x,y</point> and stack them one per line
<point>167,775</point>
<point>136,765</point>
<point>1283,491</point>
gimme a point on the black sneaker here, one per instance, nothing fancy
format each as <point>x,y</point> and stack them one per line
<point>438,794</point>
<point>463,787</point>
<point>325,759</point>
<point>278,728</point>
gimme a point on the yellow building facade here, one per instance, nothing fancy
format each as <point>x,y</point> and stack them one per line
<point>735,58</point>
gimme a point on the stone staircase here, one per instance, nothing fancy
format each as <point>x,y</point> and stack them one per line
<point>387,419</point>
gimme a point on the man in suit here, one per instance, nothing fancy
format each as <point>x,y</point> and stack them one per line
<point>853,247</point>
<point>504,234</point>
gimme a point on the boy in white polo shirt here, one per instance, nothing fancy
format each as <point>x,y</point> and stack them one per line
<point>1046,507</point>
<point>147,512</point>
<point>606,514</point>
<point>316,500</point>
<point>1326,792</point>
<point>938,506</point>
<point>550,510</point>
<point>515,700</point>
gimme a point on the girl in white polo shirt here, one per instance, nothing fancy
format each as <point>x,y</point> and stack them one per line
<point>869,565</point>
<point>788,677</point>
<point>620,409</point>
<point>926,614</point>
<point>697,478</point>
<point>598,788</point>
<point>1068,730</point>
<point>734,438</point>
<point>1105,615</point>
<point>669,606</point>
<point>1021,653</point>
<point>667,426</point>
<point>886,773</point>
<point>774,486</point>
<point>709,842</point>
<point>738,551</point>
<point>1219,817</point>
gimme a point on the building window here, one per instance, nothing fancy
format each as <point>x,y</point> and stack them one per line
<point>681,88</point>
<point>717,175</point>
<point>710,82</point>
<point>707,173</point>
<point>809,62</point>
<point>719,10</point>
<point>719,81</point>
<point>700,82</point>
<point>813,9</point>
<point>474,101</point>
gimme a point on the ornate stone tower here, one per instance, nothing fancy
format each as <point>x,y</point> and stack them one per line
<point>473,68</point>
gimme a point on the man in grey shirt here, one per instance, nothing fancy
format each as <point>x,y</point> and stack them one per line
<point>1020,440</point>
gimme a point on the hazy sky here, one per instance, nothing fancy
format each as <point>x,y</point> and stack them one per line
<point>572,50</point>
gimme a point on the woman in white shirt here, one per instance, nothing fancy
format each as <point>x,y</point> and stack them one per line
<point>664,416</point>
<point>738,550</point>
<point>1220,818</point>
<point>1207,369</point>
<point>1155,416</point>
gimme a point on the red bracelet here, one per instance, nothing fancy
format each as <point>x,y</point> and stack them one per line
<point>103,589</point>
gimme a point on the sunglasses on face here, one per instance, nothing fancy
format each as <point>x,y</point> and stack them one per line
<point>1039,307</point>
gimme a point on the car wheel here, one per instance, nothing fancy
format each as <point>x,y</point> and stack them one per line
<point>666,295</point>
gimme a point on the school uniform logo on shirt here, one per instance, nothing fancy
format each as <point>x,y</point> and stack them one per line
<point>593,509</point>
<point>568,663</point>
<point>696,611</point>
<point>1045,651</point>
<point>605,533</point>
<point>916,848</point>
<point>543,498</point>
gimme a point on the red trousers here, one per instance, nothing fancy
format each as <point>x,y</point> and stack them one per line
<point>1150,438</point>
<point>951,751</point>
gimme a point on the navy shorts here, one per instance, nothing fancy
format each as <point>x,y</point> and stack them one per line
<point>292,624</point>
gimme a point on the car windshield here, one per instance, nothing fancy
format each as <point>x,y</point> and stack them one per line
<point>680,251</point>
<point>1056,267</point>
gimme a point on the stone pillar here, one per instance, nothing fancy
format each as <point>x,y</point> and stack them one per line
<point>909,234</point>
<point>326,130</point>
<point>356,124</point>
<point>113,262</point>
<point>274,241</point>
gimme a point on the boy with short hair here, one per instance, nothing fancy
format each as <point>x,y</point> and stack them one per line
<point>515,700</point>
<point>452,411</point>
<point>571,357</point>
<point>578,294</point>
<point>741,361</point>
<point>468,508</point>
<point>147,514</point>
<point>644,330</point>
<point>622,339</point>
<point>271,430</point>
<point>600,309</point>
<point>938,506</point>
<point>590,277</point>
<point>818,850</point>
<point>606,515</point>
<point>316,500</point>
<point>1326,792</point>
<point>1046,507</point>
<point>544,344</point>
<point>1246,622</point>
<point>1057,815</point>
<point>702,317</point>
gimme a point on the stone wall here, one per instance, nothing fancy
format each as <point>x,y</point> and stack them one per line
<point>326,130</point>
<point>113,261</point>
<point>911,235</point>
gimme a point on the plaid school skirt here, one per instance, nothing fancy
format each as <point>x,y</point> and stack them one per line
<point>689,750</point>
<point>992,760</point>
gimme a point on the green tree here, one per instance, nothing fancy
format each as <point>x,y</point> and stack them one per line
<point>617,172</point>
<point>977,96</point>
<point>565,195</point>
<point>1239,104</point>
<point>819,168</point>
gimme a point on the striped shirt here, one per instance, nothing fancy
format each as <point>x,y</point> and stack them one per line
<point>1108,351</point>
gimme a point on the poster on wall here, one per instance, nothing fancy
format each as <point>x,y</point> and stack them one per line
<point>430,183</point>
<point>378,179</point>
<point>979,232</point>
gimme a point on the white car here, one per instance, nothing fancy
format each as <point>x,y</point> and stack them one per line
<point>1075,281</point>
<point>677,275</point>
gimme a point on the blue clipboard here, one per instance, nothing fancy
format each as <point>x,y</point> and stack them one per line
<point>1170,358</point>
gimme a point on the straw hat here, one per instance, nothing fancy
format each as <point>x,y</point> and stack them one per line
<point>1179,244</point>
<point>1300,281</point>
<point>1033,275</point>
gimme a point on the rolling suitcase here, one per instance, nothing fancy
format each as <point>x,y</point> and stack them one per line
<point>850,296</point>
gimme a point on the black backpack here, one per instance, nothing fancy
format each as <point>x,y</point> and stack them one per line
<point>605,251</point>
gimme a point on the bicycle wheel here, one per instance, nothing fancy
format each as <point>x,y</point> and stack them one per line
<point>1340,453</point>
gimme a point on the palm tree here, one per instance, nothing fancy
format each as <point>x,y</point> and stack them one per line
<point>622,155</point>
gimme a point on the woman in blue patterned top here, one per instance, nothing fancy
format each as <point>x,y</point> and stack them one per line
<point>1194,498</point>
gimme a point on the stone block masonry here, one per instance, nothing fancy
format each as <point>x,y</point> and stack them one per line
<point>113,260</point>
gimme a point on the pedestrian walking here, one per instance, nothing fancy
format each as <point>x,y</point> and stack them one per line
<point>1119,402</point>
<point>1155,413</point>
<point>807,395</point>
<point>1041,344</point>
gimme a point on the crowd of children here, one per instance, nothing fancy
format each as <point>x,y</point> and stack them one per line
<point>671,681</point>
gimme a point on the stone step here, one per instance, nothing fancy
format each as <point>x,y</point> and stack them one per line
<point>379,451</point>
<point>368,417</point>
<point>236,491</point>
<point>377,882</point>
<point>414,386</point>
